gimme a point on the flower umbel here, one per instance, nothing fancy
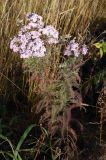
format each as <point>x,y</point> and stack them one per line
<point>30,42</point>
<point>74,48</point>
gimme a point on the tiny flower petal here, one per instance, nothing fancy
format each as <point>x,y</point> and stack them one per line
<point>84,49</point>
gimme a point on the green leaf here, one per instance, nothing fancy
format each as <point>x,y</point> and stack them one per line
<point>23,137</point>
<point>101,52</point>
<point>98,45</point>
<point>104,47</point>
<point>6,139</point>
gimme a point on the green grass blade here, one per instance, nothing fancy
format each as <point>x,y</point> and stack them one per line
<point>23,137</point>
<point>7,140</point>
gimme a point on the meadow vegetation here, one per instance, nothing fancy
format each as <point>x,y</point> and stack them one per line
<point>54,102</point>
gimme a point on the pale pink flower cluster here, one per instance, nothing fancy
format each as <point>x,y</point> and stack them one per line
<point>84,49</point>
<point>74,48</point>
<point>33,37</point>
<point>51,33</point>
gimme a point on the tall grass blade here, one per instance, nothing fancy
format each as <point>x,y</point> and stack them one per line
<point>23,137</point>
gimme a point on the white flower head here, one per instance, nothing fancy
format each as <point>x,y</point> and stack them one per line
<point>52,41</point>
<point>34,17</point>
<point>84,49</point>
<point>35,34</point>
<point>30,41</point>
<point>75,49</point>
<point>51,33</point>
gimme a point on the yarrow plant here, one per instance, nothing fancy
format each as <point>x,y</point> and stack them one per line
<point>33,37</point>
<point>74,48</point>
